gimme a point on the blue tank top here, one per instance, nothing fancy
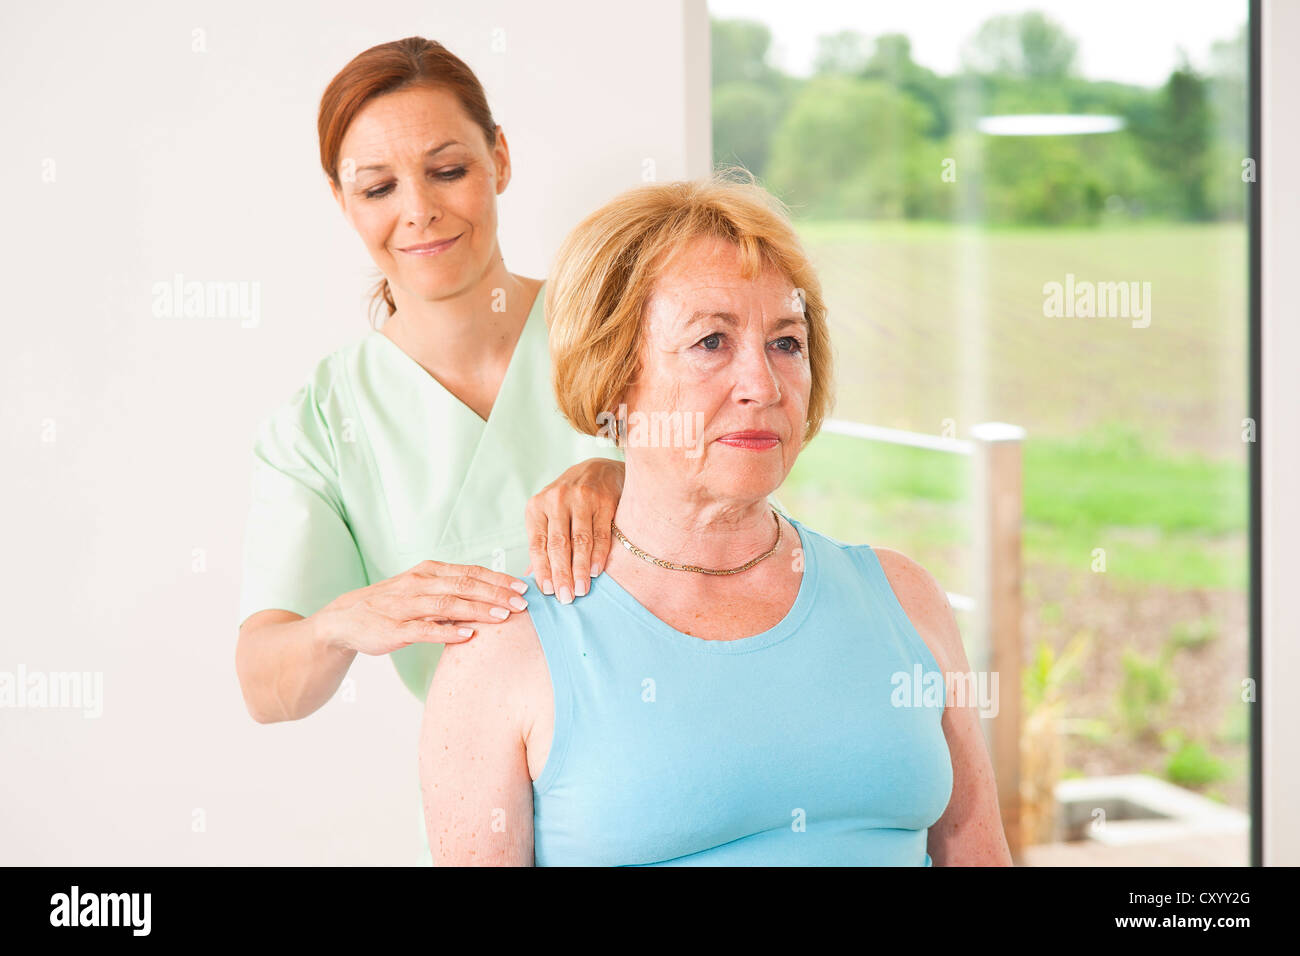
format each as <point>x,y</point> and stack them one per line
<point>812,743</point>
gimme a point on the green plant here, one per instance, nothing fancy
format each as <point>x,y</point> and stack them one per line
<point>1172,739</point>
<point>1144,691</point>
<point>1092,729</point>
<point>1194,766</point>
<point>1193,634</point>
<point>1048,673</point>
<point>1236,724</point>
<point>1041,747</point>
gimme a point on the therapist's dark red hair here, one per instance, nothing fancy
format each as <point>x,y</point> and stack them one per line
<point>387,68</point>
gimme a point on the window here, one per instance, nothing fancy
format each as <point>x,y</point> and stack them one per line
<point>1037,217</point>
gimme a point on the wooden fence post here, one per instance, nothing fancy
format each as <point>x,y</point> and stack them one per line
<point>999,509</point>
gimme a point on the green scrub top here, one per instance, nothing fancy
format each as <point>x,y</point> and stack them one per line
<point>373,467</point>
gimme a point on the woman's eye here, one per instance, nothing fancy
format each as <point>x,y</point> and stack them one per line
<point>715,338</point>
<point>446,175</point>
<point>794,344</point>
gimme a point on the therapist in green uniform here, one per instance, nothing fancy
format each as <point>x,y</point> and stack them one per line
<point>399,490</point>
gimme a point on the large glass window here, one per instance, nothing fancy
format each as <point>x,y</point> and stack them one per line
<point>1037,217</point>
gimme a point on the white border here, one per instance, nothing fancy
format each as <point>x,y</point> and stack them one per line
<point>1278,434</point>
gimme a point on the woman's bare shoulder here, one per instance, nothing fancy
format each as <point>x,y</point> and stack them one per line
<point>497,656</point>
<point>500,674</point>
<point>926,604</point>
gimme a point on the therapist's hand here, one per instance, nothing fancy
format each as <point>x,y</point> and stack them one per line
<point>568,527</point>
<point>432,603</point>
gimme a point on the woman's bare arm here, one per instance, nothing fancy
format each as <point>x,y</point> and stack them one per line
<point>289,665</point>
<point>474,761</point>
<point>970,831</point>
<point>286,669</point>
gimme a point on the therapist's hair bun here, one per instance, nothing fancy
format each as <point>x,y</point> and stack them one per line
<point>387,68</point>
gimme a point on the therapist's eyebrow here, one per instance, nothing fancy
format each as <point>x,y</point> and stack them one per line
<point>729,319</point>
<point>436,149</point>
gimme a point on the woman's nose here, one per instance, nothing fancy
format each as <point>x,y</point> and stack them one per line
<point>756,379</point>
<point>422,207</point>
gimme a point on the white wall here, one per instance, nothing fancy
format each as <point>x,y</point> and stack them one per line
<point>126,437</point>
<point>1279,450</point>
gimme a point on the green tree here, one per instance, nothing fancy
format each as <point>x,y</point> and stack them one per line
<point>738,52</point>
<point>869,133</point>
<point>891,61</point>
<point>891,57</point>
<point>845,52</point>
<point>1229,106</point>
<point>1176,133</point>
<point>749,94</point>
<point>1027,45</point>
<point>1044,180</point>
<point>850,147</point>
<point>1186,135</point>
<point>745,120</point>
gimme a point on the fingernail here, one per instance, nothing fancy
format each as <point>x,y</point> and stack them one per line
<point>580,586</point>
<point>499,613</point>
<point>595,570</point>
<point>547,588</point>
<point>465,631</point>
<point>518,603</point>
<point>519,586</point>
<point>565,596</point>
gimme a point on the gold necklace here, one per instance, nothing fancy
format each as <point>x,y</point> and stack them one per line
<point>691,567</point>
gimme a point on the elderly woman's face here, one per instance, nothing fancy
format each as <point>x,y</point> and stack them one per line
<point>419,184</point>
<point>727,358</point>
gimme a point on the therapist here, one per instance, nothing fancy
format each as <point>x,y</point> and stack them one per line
<point>397,492</point>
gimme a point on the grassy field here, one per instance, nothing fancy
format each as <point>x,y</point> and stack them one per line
<point>1174,521</point>
<point>933,322</point>
<point>1134,434</point>
<point>1134,446</point>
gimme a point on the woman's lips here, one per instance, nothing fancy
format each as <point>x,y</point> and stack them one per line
<point>759,441</point>
<point>430,248</point>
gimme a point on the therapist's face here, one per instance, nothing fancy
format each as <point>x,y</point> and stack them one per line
<point>421,173</point>
<point>720,355</point>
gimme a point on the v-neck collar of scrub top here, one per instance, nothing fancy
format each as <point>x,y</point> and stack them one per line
<point>481,447</point>
<point>421,372</point>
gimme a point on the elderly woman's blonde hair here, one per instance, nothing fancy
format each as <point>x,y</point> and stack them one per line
<point>607,267</point>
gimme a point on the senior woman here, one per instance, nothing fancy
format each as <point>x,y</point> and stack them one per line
<point>728,691</point>
<point>398,491</point>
